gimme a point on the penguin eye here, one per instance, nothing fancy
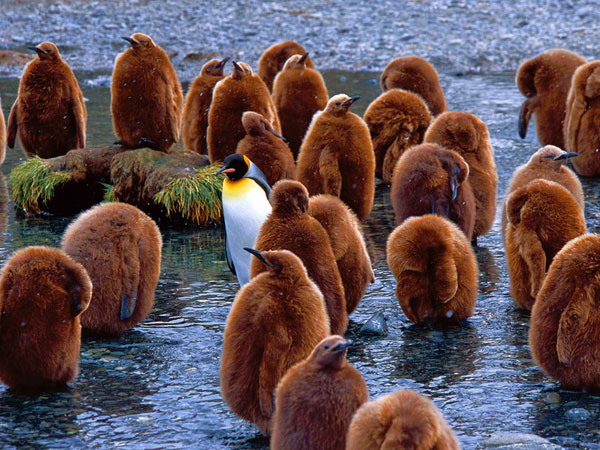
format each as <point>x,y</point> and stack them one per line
<point>338,103</point>
<point>326,346</point>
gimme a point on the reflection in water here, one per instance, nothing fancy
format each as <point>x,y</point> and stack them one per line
<point>159,383</point>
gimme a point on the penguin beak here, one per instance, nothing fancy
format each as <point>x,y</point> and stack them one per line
<point>222,63</point>
<point>454,187</point>
<point>279,136</point>
<point>351,100</point>
<point>258,255</point>
<point>39,51</point>
<point>341,346</point>
<point>566,155</point>
<point>132,42</point>
<point>225,169</point>
<point>303,58</point>
<point>237,66</point>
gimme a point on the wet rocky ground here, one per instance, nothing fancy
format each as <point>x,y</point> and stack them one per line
<point>457,36</point>
<point>158,385</point>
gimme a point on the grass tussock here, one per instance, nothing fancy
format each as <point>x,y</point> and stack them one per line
<point>196,198</point>
<point>33,183</point>
<point>109,193</point>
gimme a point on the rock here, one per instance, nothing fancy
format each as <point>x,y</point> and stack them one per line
<point>504,440</point>
<point>578,414</point>
<point>375,326</point>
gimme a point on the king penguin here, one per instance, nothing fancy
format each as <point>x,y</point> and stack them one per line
<point>245,208</point>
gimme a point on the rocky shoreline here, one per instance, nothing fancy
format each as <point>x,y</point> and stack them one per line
<point>457,36</point>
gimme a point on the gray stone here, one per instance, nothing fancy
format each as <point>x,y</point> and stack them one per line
<point>504,440</point>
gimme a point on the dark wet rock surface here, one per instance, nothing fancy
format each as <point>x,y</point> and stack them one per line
<point>455,35</point>
<point>158,385</point>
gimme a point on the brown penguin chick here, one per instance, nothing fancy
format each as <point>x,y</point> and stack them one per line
<point>274,58</point>
<point>120,247</point>
<point>42,294</point>
<point>316,399</point>
<point>435,270</point>
<point>548,164</point>
<point>337,156</point>
<point>2,136</point>
<point>266,148</point>
<point>468,136</point>
<point>49,111</point>
<point>275,322</point>
<point>417,75</point>
<point>298,93</point>
<point>348,245</point>
<point>400,420</point>
<point>397,120</point>
<point>565,323</point>
<point>542,217</point>
<point>545,81</point>
<point>582,122</point>
<point>239,92</point>
<point>197,104</point>
<point>431,179</point>
<point>290,227</point>
<point>147,101</point>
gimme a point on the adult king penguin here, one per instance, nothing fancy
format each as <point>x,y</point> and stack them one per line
<point>245,208</point>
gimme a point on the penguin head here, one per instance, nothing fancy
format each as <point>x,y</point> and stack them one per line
<point>236,166</point>
<point>240,70</point>
<point>457,130</point>
<point>289,198</point>
<point>214,67</point>
<point>330,352</point>
<point>140,42</point>
<point>256,125</point>
<point>296,62</point>
<point>456,168</point>
<point>281,263</point>
<point>339,104</point>
<point>47,51</point>
<point>550,157</point>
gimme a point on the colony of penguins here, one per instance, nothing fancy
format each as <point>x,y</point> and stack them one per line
<point>299,177</point>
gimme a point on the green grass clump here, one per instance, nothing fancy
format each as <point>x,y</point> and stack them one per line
<point>33,183</point>
<point>109,193</point>
<point>196,198</point>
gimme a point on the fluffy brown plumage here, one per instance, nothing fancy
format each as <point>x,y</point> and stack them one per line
<point>2,135</point>
<point>417,75</point>
<point>266,148</point>
<point>400,420</point>
<point>348,245</point>
<point>239,92</point>
<point>397,120</point>
<point>147,100</point>
<point>426,179</point>
<point>582,122</point>
<point>337,156</point>
<point>542,217</point>
<point>197,104</point>
<point>42,293</point>
<point>316,400</point>
<point>290,227</point>
<point>120,247</point>
<point>274,58</point>
<point>275,322</point>
<point>565,322</point>
<point>468,136</point>
<point>547,163</point>
<point>545,81</point>
<point>435,270</point>
<point>49,112</point>
<point>298,93</point>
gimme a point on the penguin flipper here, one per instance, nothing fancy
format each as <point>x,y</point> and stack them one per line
<point>228,256</point>
<point>574,318</point>
<point>329,169</point>
<point>79,114</point>
<point>11,132</point>
<point>272,368</point>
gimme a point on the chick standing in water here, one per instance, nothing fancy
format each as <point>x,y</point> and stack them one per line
<point>146,100</point>
<point>298,93</point>
<point>197,104</point>
<point>316,399</point>
<point>49,112</point>
<point>245,207</point>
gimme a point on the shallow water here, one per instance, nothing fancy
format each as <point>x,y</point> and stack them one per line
<point>158,385</point>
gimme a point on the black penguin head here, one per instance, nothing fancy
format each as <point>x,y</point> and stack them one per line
<point>235,166</point>
<point>47,51</point>
<point>214,67</point>
<point>340,103</point>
